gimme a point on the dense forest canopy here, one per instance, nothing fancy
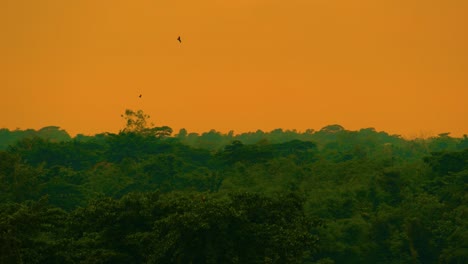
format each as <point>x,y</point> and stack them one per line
<point>147,195</point>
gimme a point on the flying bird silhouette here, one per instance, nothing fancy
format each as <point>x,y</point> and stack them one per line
<point>180,41</point>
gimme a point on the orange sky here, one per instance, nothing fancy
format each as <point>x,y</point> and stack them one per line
<point>397,65</point>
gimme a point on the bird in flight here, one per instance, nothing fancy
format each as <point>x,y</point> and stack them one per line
<point>180,41</point>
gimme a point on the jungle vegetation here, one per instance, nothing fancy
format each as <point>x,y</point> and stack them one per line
<point>146,195</point>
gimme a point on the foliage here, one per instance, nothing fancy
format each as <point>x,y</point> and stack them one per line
<point>144,196</point>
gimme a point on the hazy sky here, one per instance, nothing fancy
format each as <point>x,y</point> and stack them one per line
<point>396,65</point>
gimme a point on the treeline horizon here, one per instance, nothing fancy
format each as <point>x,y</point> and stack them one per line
<point>219,139</point>
<point>144,195</point>
<point>408,136</point>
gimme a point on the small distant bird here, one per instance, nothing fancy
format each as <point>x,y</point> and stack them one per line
<point>180,41</point>
<point>139,96</point>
